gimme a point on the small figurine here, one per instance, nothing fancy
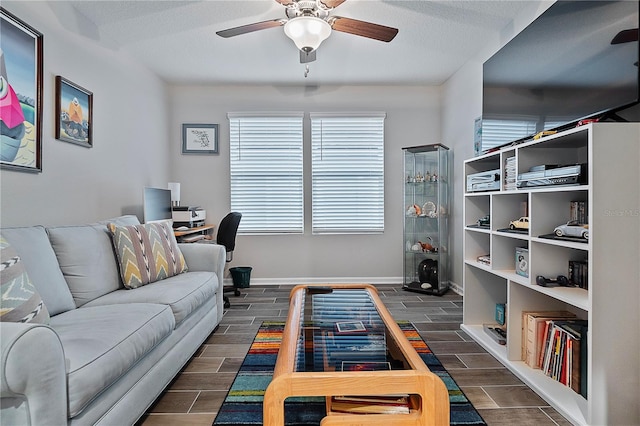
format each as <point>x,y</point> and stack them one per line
<point>426,246</point>
<point>429,209</point>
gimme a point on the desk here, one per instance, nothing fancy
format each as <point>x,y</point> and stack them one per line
<point>310,364</point>
<point>192,235</point>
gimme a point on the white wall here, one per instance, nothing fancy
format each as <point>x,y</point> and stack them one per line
<point>413,118</point>
<point>77,184</point>
<point>137,142</point>
<point>461,105</point>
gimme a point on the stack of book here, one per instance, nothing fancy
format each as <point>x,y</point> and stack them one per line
<point>578,211</point>
<point>579,273</point>
<point>386,404</point>
<point>534,324</point>
<point>564,355</point>
<point>556,343</point>
<point>510,174</point>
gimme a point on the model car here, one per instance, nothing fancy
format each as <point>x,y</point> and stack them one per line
<point>484,221</point>
<point>573,229</point>
<point>522,223</point>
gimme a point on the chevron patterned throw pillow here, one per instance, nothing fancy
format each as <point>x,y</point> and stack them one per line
<point>146,253</point>
<point>20,301</point>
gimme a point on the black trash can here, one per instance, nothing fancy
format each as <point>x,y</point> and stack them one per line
<point>241,276</point>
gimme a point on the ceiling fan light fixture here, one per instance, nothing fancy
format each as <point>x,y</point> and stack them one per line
<point>307,32</point>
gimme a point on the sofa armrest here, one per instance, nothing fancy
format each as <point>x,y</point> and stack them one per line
<point>207,257</point>
<point>33,385</point>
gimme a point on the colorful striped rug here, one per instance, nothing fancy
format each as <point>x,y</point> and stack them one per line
<point>243,404</point>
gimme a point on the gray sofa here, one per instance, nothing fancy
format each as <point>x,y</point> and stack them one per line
<point>108,352</point>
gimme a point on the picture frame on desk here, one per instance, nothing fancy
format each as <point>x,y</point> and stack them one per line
<point>200,139</point>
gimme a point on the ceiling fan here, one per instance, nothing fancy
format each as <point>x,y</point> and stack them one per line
<point>627,36</point>
<point>308,23</point>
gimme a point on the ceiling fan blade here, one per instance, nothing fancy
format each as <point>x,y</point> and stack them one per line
<point>231,32</point>
<point>330,4</point>
<point>306,57</point>
<point>626,36</point>
<point>362,28</point>
<point>285,2</point>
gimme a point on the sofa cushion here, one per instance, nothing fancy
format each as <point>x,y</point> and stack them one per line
<point>184,293</point>
<point>19,299</point>
<point>124,220</point>
<point>102,343</point>
<point>147,253</point>
<point>89,273</point>
<point>87,260</point>
<point>33,246</point>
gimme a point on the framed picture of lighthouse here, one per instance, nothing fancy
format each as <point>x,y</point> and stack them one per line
<point>20,95</point>
<point>74,112</point>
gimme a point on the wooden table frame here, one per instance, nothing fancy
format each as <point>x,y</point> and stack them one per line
<point>430,409</point>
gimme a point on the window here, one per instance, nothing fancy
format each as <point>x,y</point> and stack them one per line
<point>266,172</point>
<point>497,132</point>
<point>347,172</point>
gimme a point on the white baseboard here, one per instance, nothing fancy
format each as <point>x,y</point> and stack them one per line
<point>322,280</point>
<point>334,280</point>
<point>456,288</point>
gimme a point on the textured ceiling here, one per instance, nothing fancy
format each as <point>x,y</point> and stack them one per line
<point>177,40</point>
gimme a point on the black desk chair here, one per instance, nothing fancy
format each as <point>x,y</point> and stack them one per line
<point>227,237</point>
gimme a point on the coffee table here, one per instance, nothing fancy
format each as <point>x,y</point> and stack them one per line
<point>340,340</point>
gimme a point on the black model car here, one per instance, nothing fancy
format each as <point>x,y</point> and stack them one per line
<point>484,221</point>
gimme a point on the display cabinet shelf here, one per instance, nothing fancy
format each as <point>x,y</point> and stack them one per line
<point>606,198</point>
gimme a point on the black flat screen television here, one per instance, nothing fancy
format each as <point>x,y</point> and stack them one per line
<point>563,68</point>
<point>156,204</point>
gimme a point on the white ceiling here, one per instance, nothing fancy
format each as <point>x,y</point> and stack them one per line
<point>177,39</point>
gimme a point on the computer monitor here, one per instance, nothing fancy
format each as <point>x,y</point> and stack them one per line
<point>156,204</point>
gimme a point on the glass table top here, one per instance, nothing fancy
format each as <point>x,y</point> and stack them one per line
<point>343,331</point>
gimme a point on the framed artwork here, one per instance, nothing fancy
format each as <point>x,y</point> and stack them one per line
<point>74,112</point>
<point>20,95</point>
<point>199,138</point>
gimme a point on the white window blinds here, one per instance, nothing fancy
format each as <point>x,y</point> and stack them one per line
<point>497,132</point>
<point>347,172</point>
<point>266,172</point>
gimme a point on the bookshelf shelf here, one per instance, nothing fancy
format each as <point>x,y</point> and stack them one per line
<point>610,303</point>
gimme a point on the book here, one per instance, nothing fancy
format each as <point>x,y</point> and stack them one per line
<point>374,404</point>
<point>350,327</point>
<point>365,365</point>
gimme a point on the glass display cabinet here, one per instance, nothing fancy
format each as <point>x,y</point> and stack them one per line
<point>426,219</point>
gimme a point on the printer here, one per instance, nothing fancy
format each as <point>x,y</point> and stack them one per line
<point>188,216</point>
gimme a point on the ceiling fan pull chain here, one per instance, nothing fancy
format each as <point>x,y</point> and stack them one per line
<point>306,70</point>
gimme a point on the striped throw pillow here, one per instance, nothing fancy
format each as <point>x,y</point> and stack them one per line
<point>146,253</point>
<point>20,301</point>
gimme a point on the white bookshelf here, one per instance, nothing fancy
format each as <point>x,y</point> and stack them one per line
<point>611,152</point>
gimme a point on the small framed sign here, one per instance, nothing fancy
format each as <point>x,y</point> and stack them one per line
<point>199,138</point>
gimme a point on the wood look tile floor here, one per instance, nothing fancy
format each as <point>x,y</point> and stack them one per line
<point>196,394</point>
